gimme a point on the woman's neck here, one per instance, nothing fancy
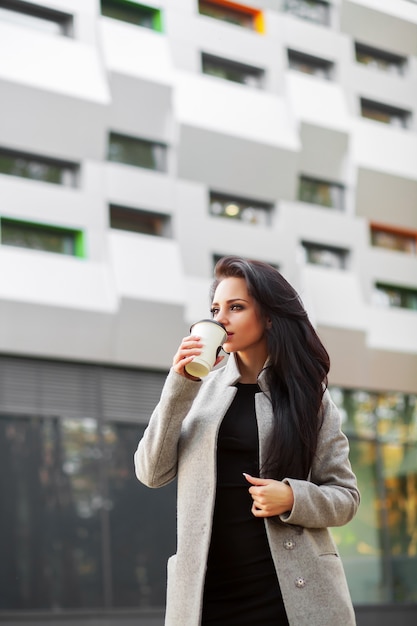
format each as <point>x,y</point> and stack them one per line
<point>249,366</point>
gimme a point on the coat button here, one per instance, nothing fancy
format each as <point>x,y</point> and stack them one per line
<point>300,582</point>
<point>289,544</point>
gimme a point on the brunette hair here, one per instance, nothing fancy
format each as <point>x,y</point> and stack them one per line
<point>296,370</point>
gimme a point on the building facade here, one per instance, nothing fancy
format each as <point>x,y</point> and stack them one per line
<point>139,142</point>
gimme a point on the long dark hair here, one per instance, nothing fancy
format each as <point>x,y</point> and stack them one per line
<point>297,367</point>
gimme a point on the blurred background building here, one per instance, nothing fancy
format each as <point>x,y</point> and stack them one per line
<point>139,142</point>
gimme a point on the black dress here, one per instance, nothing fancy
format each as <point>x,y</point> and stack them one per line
<point>241,587</point>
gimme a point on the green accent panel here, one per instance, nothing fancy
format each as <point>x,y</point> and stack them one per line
<point>80,245</point>
<point>158,21</point>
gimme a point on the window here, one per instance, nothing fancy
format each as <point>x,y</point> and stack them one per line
<point>321,192</point>
<point>233,13</point>
<point>36,17</point>
<point>380,60</point>
<point>137,152</point>
<point>315,11</point>
<point>394,296</point>
<point>327,256</point>
<point>397,239</point>
<point>249,211</point>
<point>309,64</point>
<point>133,13</point>
<point>80,532</point>
<point>385,114</point>
<point>42,237</point>
<point>38,168</point>
<point>379,543</point>
<point>138,221</point>
<point>230,70</point>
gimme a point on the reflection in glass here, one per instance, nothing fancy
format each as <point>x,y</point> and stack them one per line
<point>142,524</point>
<point>379,546</point>
<point>326,256</point>
<point>49,519</point>
<point>320,192</point>
<point>137,221</point>
<point>137,152</point>
<point>312,10</point>
<point>38,237</point>
<point>77,530</point>
<point>46,22</point>
<point>230,70</point>
<point>248,211</point>
<point>401,242</point>
<point>35,168</point>
<point>130,12</point>
<point>226,14</point>
<point>384,114</point>
<point>309,65</point>
<point>394,296</point>
<point>380,60</point>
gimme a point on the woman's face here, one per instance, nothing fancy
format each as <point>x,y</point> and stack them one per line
<point>239,313</point>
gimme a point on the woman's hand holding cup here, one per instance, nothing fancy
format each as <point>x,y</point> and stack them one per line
<point>190,347</point>
<point>198,354</point>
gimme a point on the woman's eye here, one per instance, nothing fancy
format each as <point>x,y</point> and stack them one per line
<point>214,311</point>
<point>236,307</point>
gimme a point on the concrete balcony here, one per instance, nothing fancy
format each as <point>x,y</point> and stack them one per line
<point>382,23</point>
<point>384,148</point>
<point>320,109</point>
<point>235,138</point>
<point>131,186</point>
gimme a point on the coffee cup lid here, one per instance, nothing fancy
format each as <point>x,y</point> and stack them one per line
<point>207,320</point>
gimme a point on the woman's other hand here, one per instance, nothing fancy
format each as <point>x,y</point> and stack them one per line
<point>270,497</point>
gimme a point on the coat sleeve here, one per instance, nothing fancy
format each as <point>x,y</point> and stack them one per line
<point>157,454</point>
<point>330,497</point>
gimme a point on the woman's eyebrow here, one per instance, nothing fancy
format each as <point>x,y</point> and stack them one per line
<point>231,300</point>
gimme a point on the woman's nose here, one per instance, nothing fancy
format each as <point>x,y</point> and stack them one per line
<point>221,317</point>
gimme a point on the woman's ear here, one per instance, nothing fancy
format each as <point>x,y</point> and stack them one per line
<point>268,323</point>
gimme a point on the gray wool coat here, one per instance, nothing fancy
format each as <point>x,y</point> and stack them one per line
<point>180,441</point>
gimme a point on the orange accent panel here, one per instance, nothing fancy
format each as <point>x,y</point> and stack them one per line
<point>395,230</point>
<point>258,15</point>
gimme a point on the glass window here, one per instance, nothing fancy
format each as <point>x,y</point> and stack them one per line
<point>378,545</point>
<point>249,211</point>
<point>311,10</point>
<point>133,13</point>
<point>327,256</point>
<point>309,65</point>
<point>230,70</point>
<point>320,192</point>
<point>394,240</point>
<point>394,296</point>
<point>379,59</point>
<point>385,114</point>
<point>41,237</point>
<point>138,221</point>
<point>137,152</point>
<point>37,168</point>
<point>36,17</point>
<point>142,525</point>
<point>77,529</point>
<point>239,17</point>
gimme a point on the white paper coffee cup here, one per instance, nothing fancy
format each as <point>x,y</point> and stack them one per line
<point>213,335</point>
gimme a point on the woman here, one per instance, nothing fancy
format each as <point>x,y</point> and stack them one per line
<point>261,463</point>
